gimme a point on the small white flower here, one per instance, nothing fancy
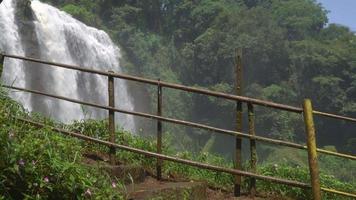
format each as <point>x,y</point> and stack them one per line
<point>88,192</point>
<point>113,184</point>
<point>21,162</point>
<point>11,135</point>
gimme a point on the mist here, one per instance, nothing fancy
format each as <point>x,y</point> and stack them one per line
<point>289,53</point>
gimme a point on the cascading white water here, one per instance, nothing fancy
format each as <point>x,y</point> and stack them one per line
<point>61,38</point>
<point>10,41</point>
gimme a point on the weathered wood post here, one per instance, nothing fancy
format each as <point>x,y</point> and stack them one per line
<point>253,154</point>
<point>159,131</point>
<point>2,60</point>
<point>238,142</point>
<point>111,92</point>
<point>311,144</point>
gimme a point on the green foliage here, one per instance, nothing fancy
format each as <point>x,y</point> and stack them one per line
<point>81,13</point>
<point>41,164</point>
<point>140,143</point>
<point>336,173</point>
<point>299,174</point>
<point>301,18</point>
<point>92,128</point>
<point>341,169</point>
<point>284,171</point>
<point>289,54</point>
<point>214,179</point>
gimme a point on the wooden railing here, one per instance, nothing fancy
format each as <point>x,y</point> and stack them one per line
<point>307,111</point>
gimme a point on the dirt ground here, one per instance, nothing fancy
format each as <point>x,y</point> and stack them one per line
<point>150,184</point>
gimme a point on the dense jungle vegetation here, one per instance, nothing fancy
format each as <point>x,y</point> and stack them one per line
<point>290,52</point>
<point>39,163</point>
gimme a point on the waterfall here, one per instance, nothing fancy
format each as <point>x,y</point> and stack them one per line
<point>55,36</point>
<point>10,42</point>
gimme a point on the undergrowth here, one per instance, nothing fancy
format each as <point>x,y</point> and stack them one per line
<point>41,164</point>
<point>214,179</point>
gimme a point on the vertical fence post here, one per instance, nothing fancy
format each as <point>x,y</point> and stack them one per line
<point>159,130</point>
<point>238,142</point>
<point>311,144</point>
<point>111,92</point>
<point>253,154</point>
<point>2,59</point>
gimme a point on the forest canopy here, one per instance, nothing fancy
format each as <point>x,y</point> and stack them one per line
<point>289,52</point>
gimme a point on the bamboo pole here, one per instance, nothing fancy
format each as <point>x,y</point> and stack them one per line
<point>253,154</point>
<point>111,98</point>
<point>169,158</point>
<point>2,60</point>
<point>186,123</point>
<point>183,161</point>
<point>180,160</point>
<point>238,140</point>
<point>166,84</point>
<point>191,89</point>
<point>159,132</point>
<point>184,88</point>
<point>311,144</point>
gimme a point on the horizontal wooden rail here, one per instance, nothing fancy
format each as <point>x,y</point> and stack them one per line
<point>182,161</point>
<point>187,123</point>
<point>237,98</point>
<point>338,192</point>
<point>169,158</point>
<point>185,88</point>
<point>324,114</point>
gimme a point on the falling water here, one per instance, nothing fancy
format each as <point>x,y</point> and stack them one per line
<point>10,42</point>
<point>53,35</point>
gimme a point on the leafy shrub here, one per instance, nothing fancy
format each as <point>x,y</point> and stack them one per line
<point>80,13</point>
<point>214,179</point>
<point>41,164</point>
<point>300,174</point>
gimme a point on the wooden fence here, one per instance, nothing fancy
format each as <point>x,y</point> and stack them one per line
<point>305,109</point>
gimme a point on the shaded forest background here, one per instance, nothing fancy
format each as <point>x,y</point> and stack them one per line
<point>290,52</point>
